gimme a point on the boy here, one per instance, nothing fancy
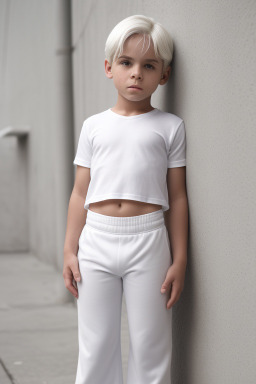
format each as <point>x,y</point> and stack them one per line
<point>130,171</point>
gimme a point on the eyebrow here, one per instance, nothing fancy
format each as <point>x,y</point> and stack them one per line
<point>128,57</point>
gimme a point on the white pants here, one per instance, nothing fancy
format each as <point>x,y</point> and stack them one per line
<point>129,255</point>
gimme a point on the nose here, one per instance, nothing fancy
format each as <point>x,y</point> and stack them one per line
<point>136,73</point>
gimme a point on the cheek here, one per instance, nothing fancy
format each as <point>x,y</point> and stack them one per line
<point>153,82</point>
<point>119,81</point>
<point>118,78</point>
<point>156,79</point>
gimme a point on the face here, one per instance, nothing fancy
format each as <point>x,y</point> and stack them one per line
<point>137,66</point>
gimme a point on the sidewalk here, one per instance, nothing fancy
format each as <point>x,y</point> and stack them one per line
<point>38,338</point>
<point>38,335</point>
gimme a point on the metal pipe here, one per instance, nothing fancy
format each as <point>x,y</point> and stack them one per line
<point>63,132</point>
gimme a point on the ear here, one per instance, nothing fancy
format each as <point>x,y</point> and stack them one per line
<point>108,69</point>
<point>165,76</point>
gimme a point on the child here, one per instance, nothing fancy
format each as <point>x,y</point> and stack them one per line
<point>131,162</point>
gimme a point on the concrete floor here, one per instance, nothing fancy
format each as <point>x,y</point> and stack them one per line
<point>38,333</point>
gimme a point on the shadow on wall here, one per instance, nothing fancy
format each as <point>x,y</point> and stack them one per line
<point>184,309</point>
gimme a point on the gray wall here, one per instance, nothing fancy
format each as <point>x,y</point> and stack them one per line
<point>27,83</point>
<point>213,89</point>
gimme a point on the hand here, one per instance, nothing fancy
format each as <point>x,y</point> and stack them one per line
<point>71,272</point>
<point>175,282</point>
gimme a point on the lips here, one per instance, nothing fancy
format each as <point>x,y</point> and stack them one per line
<point>134,86</point>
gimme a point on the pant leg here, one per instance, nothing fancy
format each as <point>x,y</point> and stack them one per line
<point>147,260</point>
<point>99,309</point>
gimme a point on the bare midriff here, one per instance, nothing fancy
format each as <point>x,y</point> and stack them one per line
<point>121,207</point>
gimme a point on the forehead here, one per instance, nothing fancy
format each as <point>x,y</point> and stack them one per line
<point>139,46</point>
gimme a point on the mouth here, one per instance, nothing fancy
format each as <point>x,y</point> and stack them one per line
<point>135,87</point>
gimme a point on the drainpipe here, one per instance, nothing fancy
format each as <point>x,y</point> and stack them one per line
<point>63,132</point>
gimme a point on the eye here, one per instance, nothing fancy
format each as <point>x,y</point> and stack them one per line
<point>151,66</point>
<point>123,62</point>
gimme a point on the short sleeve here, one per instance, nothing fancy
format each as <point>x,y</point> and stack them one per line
<point>84,149</point>
<point>177,149</point>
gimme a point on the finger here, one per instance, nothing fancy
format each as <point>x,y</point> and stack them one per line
<point>71,287</point>
<point>75,271</point>
<point>174,297</point>
<point>166,285</point>
<point>77,275</point>
<point>68,280</point>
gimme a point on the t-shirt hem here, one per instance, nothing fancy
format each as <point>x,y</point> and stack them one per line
<point>83,163</point>
<point>127,196</point>
<point>178,163</point>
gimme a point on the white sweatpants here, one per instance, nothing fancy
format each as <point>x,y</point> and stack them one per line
<point>129,255</point>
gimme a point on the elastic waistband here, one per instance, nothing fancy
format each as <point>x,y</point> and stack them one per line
<point>125,224</point>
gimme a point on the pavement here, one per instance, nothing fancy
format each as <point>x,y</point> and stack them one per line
<point>38,330</point>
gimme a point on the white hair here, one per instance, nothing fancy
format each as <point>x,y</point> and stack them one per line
<point>140,24</point>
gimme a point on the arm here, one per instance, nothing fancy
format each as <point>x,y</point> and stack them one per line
<point>76,219</point>
<point>176,221</point>
<point>176,218</point>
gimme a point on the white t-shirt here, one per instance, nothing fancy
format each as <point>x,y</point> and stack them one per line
<point>128,156</point>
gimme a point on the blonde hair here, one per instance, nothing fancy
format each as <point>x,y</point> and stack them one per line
<point>140,24</point>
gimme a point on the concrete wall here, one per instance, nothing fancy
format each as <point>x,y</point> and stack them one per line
<point>27,219</point>
<point>213,89</point>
